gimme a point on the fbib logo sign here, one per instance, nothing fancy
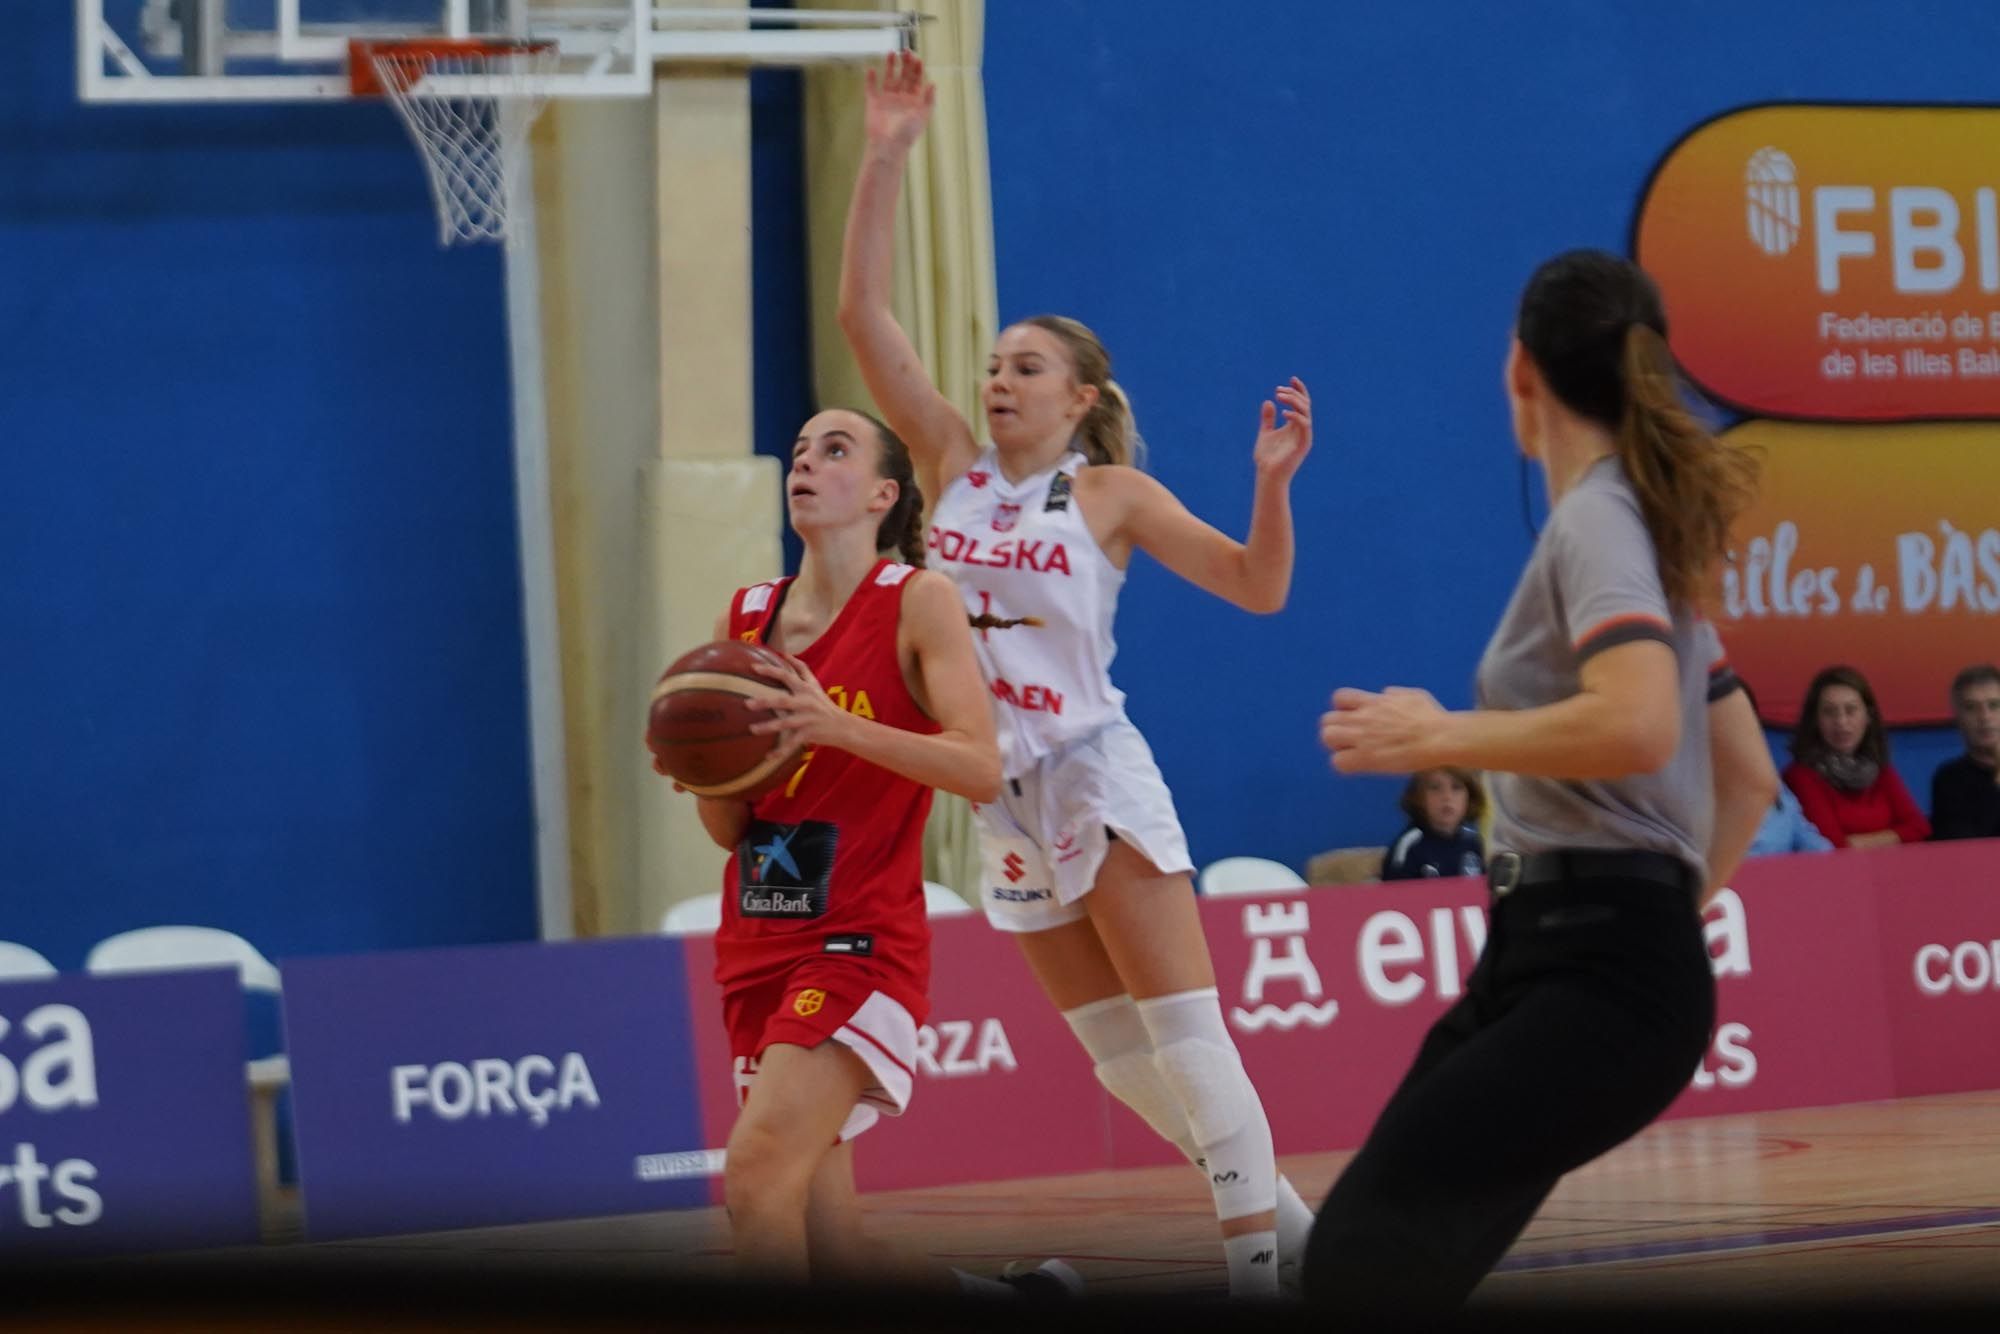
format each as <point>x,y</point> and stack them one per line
<point>1842,264</point>
<point>1866,283</point>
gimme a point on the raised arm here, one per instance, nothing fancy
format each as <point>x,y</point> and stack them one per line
<point>1255,574</point>
<point>941,444</point>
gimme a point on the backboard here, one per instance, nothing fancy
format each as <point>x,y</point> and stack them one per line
<point>297,50</point>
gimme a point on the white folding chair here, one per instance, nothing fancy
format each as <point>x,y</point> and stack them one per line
<point>18,961</point>
<point>698,916</point>
<point>940,901</point>
<point>155,948</point>
<point>151,948</point>
<point>1248,875</point>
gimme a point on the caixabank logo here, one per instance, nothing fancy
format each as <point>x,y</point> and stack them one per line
<point>1833,273</point>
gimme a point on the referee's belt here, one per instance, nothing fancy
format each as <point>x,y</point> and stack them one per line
<point>1509,871</point>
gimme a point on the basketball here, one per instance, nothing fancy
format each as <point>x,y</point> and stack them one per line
<point>699,723</point>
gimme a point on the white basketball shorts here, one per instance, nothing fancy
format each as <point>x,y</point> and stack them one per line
<point>1042,843</point>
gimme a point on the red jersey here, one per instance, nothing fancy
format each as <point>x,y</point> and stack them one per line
<point>832,862</point>
<point>1884,804</point>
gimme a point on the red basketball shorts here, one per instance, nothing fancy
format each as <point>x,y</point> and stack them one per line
<point>817,1000</point>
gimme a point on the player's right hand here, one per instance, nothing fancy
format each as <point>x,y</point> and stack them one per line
<point>898,102</point>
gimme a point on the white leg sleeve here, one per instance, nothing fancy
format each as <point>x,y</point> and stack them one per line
<point>1198,1063</point>
<point>1114,1035</point>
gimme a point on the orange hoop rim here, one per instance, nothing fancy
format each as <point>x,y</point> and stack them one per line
<point>365,80</point>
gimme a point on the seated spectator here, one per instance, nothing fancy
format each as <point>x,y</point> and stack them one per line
<point>1444,806</point>
<point>1840,767</point>
<point>1965,792</point>
<point>1785,828</point>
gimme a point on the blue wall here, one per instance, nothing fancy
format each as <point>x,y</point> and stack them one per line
<point>1355,195</point>
<point>262,648</point>
<point>257,571</point>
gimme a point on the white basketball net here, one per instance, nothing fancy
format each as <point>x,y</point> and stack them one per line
<point>469,113</point>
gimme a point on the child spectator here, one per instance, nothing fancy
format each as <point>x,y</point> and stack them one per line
<point>1444,806</point>
<point>1840,767</point>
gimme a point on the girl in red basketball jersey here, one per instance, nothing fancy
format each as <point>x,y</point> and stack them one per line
<point>1084,856</point>
<point>824,949</point>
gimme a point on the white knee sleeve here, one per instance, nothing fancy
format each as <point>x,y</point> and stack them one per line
<point>1116,1039</point>
<point>1198,1063</point>
<point>1134,1080</point>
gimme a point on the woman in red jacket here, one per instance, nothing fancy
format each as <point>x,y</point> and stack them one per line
<point>1840,767</point>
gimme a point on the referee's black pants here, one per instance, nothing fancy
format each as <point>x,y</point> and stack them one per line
<point>1587,1014</point>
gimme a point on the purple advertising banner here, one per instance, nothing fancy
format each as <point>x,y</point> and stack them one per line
<point>124,1114</point>
<point>497,1084</point>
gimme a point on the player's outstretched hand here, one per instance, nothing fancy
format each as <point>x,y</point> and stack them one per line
<point>898,102</point>
<point>1285,435</point>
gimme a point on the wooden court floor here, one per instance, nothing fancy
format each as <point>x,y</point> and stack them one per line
<point>1880,1202</point>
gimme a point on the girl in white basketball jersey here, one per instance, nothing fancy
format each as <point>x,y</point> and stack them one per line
<point>1084,856</point>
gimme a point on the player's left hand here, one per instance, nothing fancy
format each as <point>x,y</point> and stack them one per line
<point>1283,445</point>
<point>1387,733</point>
<point>807,716</point>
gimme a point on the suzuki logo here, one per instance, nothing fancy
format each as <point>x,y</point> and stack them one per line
<point>1014,867</point>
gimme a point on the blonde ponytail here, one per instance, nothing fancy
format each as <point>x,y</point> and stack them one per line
<point>1108,433</point>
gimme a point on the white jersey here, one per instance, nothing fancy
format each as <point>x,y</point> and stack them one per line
<point>1040,594</point>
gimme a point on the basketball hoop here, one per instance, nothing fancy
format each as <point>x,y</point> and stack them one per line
<point>468,105</point>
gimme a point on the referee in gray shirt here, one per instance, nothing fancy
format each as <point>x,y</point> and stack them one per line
<point>1628,776</point>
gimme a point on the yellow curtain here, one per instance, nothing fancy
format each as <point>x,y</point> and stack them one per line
<point>945,294</point>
